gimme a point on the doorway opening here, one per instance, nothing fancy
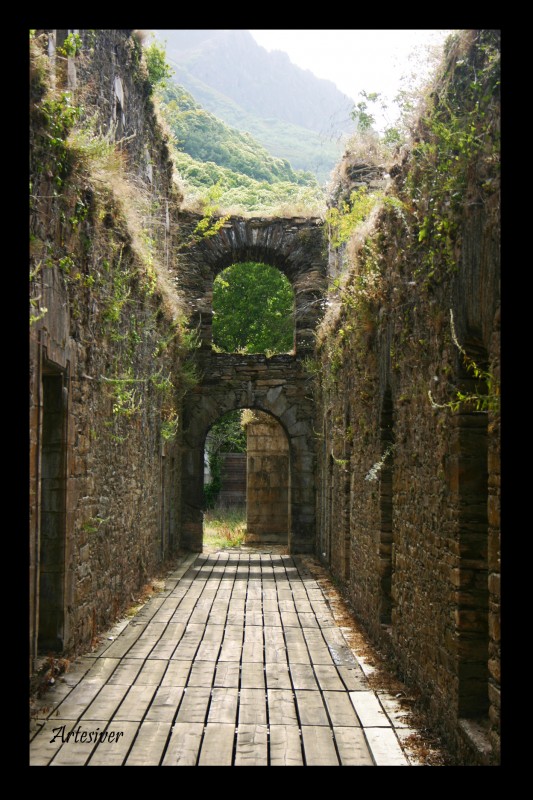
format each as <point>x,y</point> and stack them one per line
<point>246,481</point>
<point>52,516</point>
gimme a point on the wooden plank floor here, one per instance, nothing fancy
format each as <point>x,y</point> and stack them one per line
<point>238,662</point>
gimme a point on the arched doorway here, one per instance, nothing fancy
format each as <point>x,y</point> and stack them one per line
<point>246,481</point>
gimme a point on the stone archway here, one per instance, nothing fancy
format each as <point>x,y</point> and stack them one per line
<point>279,385</point>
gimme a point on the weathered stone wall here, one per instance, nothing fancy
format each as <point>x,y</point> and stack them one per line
<point>268,481</point>
<point>408,484</point>
<point>105,352</point>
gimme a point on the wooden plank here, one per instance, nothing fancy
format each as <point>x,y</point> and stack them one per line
<point>252,652</point>
<point>252,746</point>
<point>252,676</point>
<point>303,676</point>
<point>125,641</point>
<point>341,710</point>
<point>281,707</point>
<point>272,618</point>
<point>328,678</point>
<point>385,748</point>
<point>194,705</point>
<point>394,710</point>
<point>149,745</point>
<point>297,653</point>
<point>311,708</point>
<point>352,747</point>
<point>368,709</point>
<point>126,672</point>
<point>202,673</point>
<point>177,674</point>
<point>289,619</point>
<point>48,740</point>
<point>231,650</point>
<point>320,655</point>
<point>308,620</point>
<point>112,753</point>
<point>340,652</point>
<point>135,703</point>
<point>80,698</point>
<point>217,746</point>
<point>277,676</point>
<point>184,745</point>
<point>318,746</point>
<point>106,703</point>
<point>227,674</point>
<point>166,646</point>
<point>223,706</point>
<point>254,619</point>
<point>74,753</point>
<point>151,673</point>
<point>285,746</point>
<point>165,703</point>
<point>253,633</point>
<point>102,669</point>
<point>208,651</point>
<point>252,707</point>
<point>353,677</point>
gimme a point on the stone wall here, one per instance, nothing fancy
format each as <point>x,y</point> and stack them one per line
<point>268,481</point>
<point>106,348</point>
<point>408,475</point>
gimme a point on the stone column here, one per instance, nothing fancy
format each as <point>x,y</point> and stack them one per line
<point>267,481</point>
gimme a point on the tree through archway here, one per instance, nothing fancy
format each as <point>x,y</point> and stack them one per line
<point>253,310</point>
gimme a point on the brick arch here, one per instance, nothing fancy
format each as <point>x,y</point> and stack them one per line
<point>295,246</point>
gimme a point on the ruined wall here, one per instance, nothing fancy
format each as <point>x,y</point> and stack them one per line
<point>408,478</point>
<point>268,481</point>
<point>106,344</point>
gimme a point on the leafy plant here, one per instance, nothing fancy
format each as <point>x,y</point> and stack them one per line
<point>71,46</point>
<point>343,221</point>
<point>253,310</point>
<point>486,396</point>
<point>159,70</point>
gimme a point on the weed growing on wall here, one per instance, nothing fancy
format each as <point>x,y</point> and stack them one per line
<point>486,394</point>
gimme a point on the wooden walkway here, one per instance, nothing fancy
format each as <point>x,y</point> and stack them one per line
<point>238,662</point>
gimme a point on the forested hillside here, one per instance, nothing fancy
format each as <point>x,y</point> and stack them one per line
<point>209,153</point>
<point>292,113</point>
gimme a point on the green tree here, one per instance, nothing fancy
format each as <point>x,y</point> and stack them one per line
<point>159,70</point>
<point>253,310</point>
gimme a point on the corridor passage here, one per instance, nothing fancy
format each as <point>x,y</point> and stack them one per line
<point>238,662</point>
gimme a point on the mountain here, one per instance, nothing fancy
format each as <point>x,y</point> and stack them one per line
<point>290,111</point>
<point>206,138</point>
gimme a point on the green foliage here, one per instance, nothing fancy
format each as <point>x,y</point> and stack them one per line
<point>206,138</point>
<point>210,223</point>
<point>159,70</point>
<point>343,221</point>
<point>253,310</point>
<point>457,136</point>
<point>227,435</point>
<point>360,114</point>
<point>208,152</point>
<point>71,46</point>
<point>59,116</point>
<point>225,528</point>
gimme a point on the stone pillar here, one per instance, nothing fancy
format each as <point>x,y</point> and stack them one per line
<point>268,480</point>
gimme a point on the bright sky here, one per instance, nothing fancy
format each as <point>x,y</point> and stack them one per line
<point>355,60</point>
